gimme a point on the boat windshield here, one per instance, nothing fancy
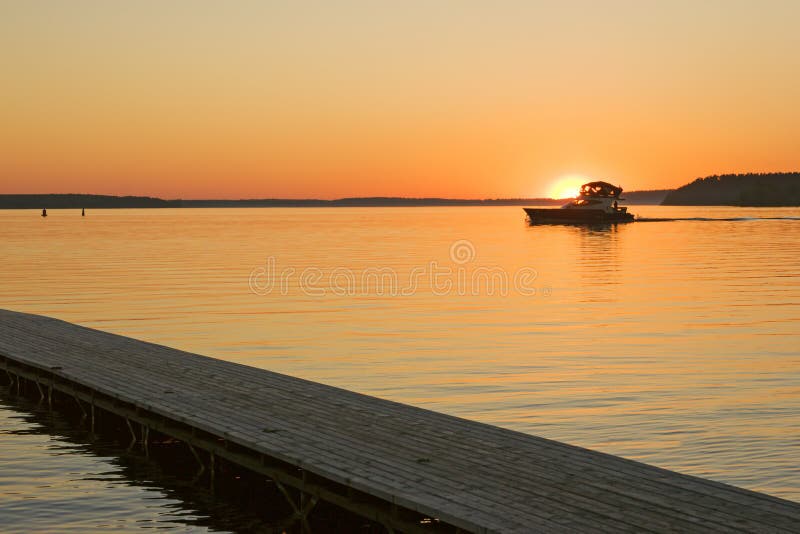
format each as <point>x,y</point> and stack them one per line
<point>600,189</point>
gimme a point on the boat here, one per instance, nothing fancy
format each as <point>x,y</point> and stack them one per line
<point>597,202</point>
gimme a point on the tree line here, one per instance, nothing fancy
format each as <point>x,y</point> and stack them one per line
<point>748,189</point>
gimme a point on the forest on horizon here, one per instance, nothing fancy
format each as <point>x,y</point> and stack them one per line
<point>748,189</point>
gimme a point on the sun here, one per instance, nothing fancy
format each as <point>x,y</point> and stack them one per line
<point>567,186</point>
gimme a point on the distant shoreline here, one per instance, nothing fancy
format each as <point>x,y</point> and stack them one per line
<point>766,189</point>
<point>78,201</point>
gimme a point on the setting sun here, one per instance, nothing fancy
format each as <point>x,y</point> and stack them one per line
<point>567,186</point>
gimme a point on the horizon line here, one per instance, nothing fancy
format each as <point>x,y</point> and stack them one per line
<point>309,199</point>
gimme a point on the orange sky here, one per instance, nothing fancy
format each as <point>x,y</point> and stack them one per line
<point>457,98</point>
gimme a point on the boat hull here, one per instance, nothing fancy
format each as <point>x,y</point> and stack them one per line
<point>575,216</point>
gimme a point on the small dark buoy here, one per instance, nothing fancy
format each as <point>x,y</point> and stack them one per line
<point>44,212</point>
<point>83,212</point>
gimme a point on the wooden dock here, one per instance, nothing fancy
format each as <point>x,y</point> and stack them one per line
<point>411,469</point>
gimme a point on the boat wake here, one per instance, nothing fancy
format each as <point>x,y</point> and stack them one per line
<point>714,219</point>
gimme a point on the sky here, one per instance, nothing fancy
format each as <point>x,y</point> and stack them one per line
<point>450,98</point>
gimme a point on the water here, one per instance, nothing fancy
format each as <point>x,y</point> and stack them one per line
<point>55,478</point>
<point>674,342</point>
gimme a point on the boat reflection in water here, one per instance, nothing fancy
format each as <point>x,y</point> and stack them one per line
<point>597,203</point>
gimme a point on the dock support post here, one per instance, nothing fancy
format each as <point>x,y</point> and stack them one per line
<point>199,460</point>
<point>133,434</point>
<point>41,392</point>
<point>300,512</point>
<point>92,408</point>
<point>303,489</point>
<point>212,468</point>
<point>145,439</point>
<point>83,410</point>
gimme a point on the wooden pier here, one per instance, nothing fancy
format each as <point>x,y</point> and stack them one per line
<point>412,470</point>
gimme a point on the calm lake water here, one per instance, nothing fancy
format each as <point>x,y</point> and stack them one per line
<point>673,342</point>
